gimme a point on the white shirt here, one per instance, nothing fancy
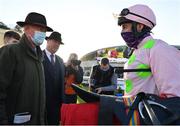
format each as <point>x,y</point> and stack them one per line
<point>49,55</point>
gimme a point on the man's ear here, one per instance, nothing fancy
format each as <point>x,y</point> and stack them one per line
<point>26,28</point>
<point>140,27</point>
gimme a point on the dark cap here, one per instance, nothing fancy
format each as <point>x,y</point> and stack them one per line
<point>34,18</point>
<point>104,61</point>
<point>12,34</point>
<point>55,36</point>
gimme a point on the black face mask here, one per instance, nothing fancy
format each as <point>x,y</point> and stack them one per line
<point>76,62</point>
<point>133,38</point>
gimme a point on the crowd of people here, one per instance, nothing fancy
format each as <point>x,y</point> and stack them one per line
<point>34,83</point>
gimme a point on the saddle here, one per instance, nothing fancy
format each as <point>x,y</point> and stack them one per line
<point>143,109</point>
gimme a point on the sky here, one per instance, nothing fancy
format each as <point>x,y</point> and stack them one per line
<point>88,25</point>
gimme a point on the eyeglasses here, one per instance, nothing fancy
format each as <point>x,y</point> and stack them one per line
<point>126,11</point>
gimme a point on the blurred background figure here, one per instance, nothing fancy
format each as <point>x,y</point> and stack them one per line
<point>73,75</point>
<point>103,80</point>
<point>11,37</point>
<point>54,78</point>
<point>127,52</point>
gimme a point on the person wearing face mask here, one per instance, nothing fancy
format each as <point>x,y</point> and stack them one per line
<point>162,60</point>
<point>152,88</point>
<point>103,80</point>
<point>22,83</point>
<point>54,77</point>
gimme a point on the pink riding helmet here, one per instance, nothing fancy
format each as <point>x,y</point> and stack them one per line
<point>139,13</point>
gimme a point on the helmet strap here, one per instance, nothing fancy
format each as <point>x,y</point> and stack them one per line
<point>137,34</point>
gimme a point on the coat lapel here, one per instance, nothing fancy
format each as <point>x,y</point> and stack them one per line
<point>47,64</point>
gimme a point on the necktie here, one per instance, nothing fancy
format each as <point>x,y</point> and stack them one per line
<point>52,59</point>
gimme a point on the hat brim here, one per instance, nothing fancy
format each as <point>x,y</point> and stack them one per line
<point>55,39</point>
<point>22,24</point>
<point>85,95</point>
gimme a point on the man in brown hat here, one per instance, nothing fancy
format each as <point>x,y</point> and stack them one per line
<point>22,83</point>
<point>54,78</point>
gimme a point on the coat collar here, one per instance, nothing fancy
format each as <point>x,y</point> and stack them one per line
<point>34,53</point>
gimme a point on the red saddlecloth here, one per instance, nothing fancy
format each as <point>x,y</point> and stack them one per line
<point>79,114</point>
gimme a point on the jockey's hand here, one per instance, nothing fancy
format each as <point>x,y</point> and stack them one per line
<point>99,90</point>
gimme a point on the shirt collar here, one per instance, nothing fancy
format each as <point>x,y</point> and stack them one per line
<point>47,52</point>
<point>49,55</point>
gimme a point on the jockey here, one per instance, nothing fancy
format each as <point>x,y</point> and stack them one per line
<point>162,79</point>
<point>136,23</point>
